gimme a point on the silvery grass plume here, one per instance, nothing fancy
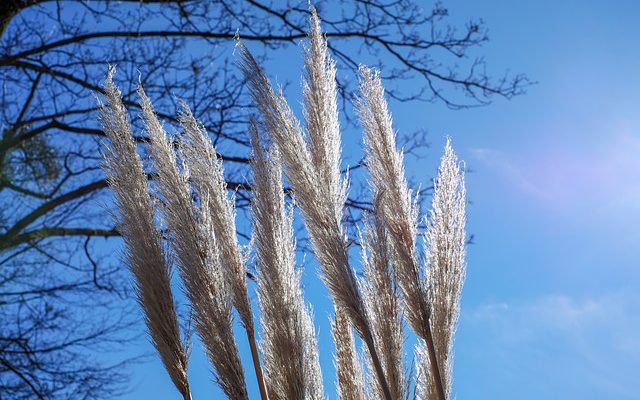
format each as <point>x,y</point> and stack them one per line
<point>289,344</point>
<point>200,217</point>
<point>445,248</point>
<point>195,240</point>
<point>315,180</point>
<point>207,175</point>
<point>143,241</point>
<point>382,298</point>
<point>350,382</point>
<point>321,116</point>
<point>397,209</point>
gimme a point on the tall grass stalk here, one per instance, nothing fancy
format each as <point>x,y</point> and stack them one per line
<point>446,269</point>
<point>289,344</point>
<point>207,175</point>
<point>195,239</point>
<point>199,215</point>
<point>398,212</point>
<point>319,190</point>
<point>144,251</point>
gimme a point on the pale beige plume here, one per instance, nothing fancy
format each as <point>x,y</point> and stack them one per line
<point>194,240</point>
<point>289,344</point>
<point>144,252</point>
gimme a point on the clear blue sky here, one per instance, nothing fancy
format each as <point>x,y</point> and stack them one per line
<point>550,306</point>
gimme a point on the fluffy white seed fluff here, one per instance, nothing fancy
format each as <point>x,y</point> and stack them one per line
<point>350,384</point>
<point>289,344</point>
<point>396,204</point>
<point>311,175</point>
<point>144,252</point>
<point>207,174</point>
<point>383,299</point>
<point>194,239</point>
<point>446,269</point>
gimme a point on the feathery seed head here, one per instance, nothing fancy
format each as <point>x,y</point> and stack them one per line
<point>317,202</point>
<point>321,115</point>
<point>207,174</point>
<point>383,301</point>
<point>350,383</point>
<point>396,205</point>
<point>289,344</point>
<point>445,248</point>
<point>144,251</point>
<point>196,245</point>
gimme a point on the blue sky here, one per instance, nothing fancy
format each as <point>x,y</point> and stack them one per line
<point>551,298</point>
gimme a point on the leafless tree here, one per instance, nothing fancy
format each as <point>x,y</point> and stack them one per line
<point>55,244</point>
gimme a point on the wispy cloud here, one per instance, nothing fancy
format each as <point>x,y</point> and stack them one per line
<point>601,178</point>
<point>586,348</point>
<point>515,172</point>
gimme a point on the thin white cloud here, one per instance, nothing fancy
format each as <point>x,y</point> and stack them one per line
<point>582,348</point>
<point>513,171</point>
<point>600,180</point>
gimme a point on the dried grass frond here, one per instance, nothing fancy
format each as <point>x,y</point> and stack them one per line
<point>398,211</point>
<point>207,174</point>
<point>315,201</point>
<point>383,298</point>
<point>289,344</point>
<point>320,204</point>
<point>396,204</point>
<point>350,383</point>
<point>144,251</point>
<point>321,116</point>
<point>194,239</point>
<point>446,269</point>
